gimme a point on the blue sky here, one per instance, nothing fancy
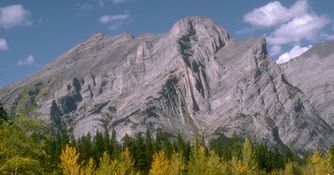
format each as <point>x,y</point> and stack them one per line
<point>33,33</point>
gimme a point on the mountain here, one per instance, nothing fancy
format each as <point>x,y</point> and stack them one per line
<point>192,80</point>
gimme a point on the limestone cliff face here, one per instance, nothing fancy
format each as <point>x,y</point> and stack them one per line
<point>193,79</point>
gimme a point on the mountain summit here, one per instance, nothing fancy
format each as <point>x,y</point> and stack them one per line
<point>192,80</point>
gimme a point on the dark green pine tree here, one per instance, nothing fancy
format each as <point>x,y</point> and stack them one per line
<point>53,150</point>
<point>98,146</point>
<point>182,147</point>
<point>106,142</point>
<point>262,156</point>
<point>141,161</point>
<point>85,147</point>
<point>128,142</point>
<point>115,148</point>
<point>65,138</point>
<point>163,142</point>
<point>232,148</point>
<point>149,146</point>
<point>3,115</point>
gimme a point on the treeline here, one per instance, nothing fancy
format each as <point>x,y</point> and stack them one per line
<point>28,147</point>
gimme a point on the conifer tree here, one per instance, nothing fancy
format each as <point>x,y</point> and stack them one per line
<point>161,165</point>
<point>3,115</point>
<point>98,146</point>
<point>89,168</point>
<point>122,166</point>
<point>197,162</point>
<point>215,165</point>
<point>246,164</point>
<point>69,161</point>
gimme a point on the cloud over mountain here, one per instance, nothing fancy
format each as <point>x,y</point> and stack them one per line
<point>292,25</point>
<point>14,15</point>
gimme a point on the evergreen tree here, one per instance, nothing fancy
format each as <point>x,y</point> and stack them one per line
<point>85,147</point>
<point>98,146</point>
<point>149,151</point>
<point>3,115</point>
<point>232,149</point>
<point>115,148</point>
<point>141,161</point>
<point>182,147</point>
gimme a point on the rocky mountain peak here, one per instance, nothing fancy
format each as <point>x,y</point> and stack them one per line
<point>201,29</point>
<point>192,80</point>
<point>98,36</point>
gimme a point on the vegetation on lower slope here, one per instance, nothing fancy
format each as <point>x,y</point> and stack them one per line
<point>27,147</point>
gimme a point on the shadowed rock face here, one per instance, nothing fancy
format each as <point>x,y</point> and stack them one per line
<point>192,80</point>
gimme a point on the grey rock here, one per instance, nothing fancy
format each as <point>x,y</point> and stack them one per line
<point>193,80</point>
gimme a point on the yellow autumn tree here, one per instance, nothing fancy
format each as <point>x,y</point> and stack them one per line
<point>126,163</point>
<point>69,161</point>
<point>121,166</point>
<point>176,164</point>
<point>105,165</point>
<point>247,163</point>
<point>292,168</point>
<point>89,168</point>
<point>215,165</point>
<point>330,161</point>
<point>322,164</point>
<point>197,162</point>
<point>161,165</point>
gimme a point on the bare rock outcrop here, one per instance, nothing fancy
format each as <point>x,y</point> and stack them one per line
<point>192,80</point>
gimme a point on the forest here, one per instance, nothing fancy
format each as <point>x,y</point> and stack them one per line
<point>29,147</point>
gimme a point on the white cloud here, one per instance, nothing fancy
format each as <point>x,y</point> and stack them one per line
<point>290,25</point>
<point>3,44</point>
<point>293,53</point>
<point>305,27</point>
<point>274,13</point>
<point>119,17</point>
<point>119,1</point>
<point>275,50</point>
<point>117,25</point>
<point>14,15</point>
<point>26,61</point>
<point>116,21</point>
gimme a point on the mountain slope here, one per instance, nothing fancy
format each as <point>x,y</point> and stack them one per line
<point>191,80</point>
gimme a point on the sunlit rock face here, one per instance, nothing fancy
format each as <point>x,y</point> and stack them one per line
<point>192,80</point>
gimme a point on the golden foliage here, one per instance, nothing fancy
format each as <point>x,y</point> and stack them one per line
<point>247,164</point>
<point>200,163</point>
<point>322,164</point>
<point>161,165</point>
<point>215,165</point>
<point>89,168</point>
<point>122,166</point>
<point>292,168</point>
<point>69,161</point>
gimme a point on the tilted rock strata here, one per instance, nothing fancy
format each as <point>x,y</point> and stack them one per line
<point>191,80</point>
